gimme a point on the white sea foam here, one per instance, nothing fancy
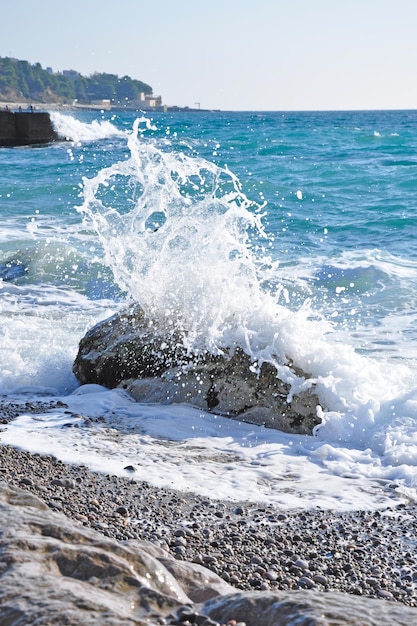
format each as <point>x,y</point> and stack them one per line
<point>182,448</point>
<point>39,335</point>
<point>68,127</point>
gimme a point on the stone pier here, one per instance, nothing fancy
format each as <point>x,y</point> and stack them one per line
<point>23,128</point>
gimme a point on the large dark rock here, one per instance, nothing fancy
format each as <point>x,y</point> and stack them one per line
<point>126,346</point>
<point>151,363</point>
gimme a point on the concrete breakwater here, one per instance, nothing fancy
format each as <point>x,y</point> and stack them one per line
<point>23,128</point>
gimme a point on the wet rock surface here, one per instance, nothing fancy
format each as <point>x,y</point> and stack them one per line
<point>306,608</point>
<point>53,571</point>
<point>151,363</point>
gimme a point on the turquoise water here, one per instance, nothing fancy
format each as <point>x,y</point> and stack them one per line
<point>356,172</point>
<point>302,226</point>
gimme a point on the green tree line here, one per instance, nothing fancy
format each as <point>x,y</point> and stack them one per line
<point>22,80</point>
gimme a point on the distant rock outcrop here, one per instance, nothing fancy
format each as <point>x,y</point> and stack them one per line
<point>151,363</point>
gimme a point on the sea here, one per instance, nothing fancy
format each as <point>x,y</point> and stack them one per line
<point>290,234</point>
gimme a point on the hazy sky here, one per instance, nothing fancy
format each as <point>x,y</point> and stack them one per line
<point>230,54</point>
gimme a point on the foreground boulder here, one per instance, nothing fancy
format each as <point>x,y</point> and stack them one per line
<point>151,363</point>
<point>54,571</point>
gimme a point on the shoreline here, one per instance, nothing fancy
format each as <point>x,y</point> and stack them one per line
<point>249,545</point>
<point>38,106</point>
<point>58,106</point>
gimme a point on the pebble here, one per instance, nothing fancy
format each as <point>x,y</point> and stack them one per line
<point>301,564</point>
<point>180,541</point>
<point>306,582</point>
<point>122,510</point>
<point>67,483</point>
<point>55,505</point>
<point>26,481</point>
<point>382,593</point>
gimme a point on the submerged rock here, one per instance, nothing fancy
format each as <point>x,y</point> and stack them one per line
<point>12,269</point>
<point>151,363</point>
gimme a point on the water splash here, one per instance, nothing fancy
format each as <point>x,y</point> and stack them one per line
<point>185,242</point>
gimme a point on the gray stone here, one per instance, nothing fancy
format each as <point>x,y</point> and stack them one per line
<point>308,608</point>
<point>151,363</point>
<point>126,346</point>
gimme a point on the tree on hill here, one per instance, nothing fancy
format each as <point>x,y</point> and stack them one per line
<point>21,80</point>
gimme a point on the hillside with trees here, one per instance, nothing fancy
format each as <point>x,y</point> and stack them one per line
<point>22,81</point>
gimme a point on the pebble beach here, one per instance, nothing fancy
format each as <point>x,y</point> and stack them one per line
<point>252,547</point>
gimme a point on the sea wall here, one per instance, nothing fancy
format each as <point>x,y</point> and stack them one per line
<point>25,128</point>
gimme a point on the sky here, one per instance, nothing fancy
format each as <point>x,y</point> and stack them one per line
<point>264,55</point>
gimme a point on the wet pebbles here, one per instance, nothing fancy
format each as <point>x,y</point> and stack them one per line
<point>369,553</point>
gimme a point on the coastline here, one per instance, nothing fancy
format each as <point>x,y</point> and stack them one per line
<point>37,106</point>
<point>250,546</point>
<point>58,106</point>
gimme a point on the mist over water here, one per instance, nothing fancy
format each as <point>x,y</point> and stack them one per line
<point>231,231</point>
